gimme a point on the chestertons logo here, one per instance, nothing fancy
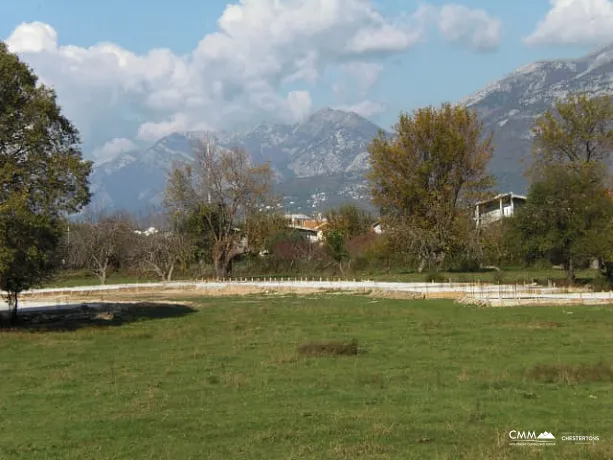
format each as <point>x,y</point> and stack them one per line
<point>529,438</point>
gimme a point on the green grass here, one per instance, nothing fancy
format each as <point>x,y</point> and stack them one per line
<point>237,379</point>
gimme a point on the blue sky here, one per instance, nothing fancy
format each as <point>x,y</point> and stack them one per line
<point>376,57</point>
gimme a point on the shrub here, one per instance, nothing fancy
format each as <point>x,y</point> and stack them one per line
<point>435,277</point>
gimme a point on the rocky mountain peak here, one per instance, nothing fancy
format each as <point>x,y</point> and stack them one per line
<point>326,154</point>
<point>333,117</point>
<point>328,143</point>
<point>510,106</point>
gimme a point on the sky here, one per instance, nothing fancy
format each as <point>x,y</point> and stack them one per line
<point>127,75</point>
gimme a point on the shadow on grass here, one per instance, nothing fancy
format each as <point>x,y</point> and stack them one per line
<point>100,314</point>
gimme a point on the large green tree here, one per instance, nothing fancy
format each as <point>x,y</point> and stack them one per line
<point>567,217</point>
<point>349,220</point>
<point>433,166</point>
<point>578,130</point>
<point>570,177</point>
<point>342,225</point>
<point>42,177</point>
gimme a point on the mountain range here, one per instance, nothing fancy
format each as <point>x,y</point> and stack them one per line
<point>321,161</point>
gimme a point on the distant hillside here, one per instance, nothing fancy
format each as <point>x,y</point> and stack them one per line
<point>318,162</point>
<point>321,161</point>
<point>511,105</point>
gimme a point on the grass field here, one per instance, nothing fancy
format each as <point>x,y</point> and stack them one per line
<point>249,378</point>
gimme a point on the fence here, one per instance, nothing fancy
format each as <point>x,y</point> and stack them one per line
<point>481,294</point>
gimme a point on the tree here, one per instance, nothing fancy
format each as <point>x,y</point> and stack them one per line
<point>335,246</point>
<point>604,248</point>
<point>434,165</point>
<point>350,220</point>
<point>195,224</point>
<point>567,216</point>
<point>262,228</point>
<point>161,252</point>
<point>104,244</point>
<point>342,225</point>
<point>223,187</point>
<point>578,130</point>
<point>576,138</point>
<point>497,244</point>
<point>27,248</point>
<point>42,177</point>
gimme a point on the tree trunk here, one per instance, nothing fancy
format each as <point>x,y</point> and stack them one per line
<point>440,260</point>
<point>422,265</point>
<point>223,266</point>
<point>13,305</point>
<point>169,274</point>
<point>570,270</point>
<point>606,269</point>
<point>102,269</point>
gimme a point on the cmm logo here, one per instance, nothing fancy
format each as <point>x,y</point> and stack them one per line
<point>525,438</point>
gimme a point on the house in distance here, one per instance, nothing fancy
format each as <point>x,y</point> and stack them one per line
<point>312,228</point>
<point>497,208</point>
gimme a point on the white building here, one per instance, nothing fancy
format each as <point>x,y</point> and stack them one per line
<point>148,232</point>
<point>313,229</point>
<point>497,208</point>
<point>297,220</point>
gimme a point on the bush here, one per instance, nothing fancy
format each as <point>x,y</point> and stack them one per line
<point>435,277</point>
<point>541,264</point>
<point>601,284</point>
<point>498,277</point>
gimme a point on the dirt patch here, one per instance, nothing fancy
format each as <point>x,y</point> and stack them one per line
<point>444,295</point>
<point>161,293</point>
<point>399,295</point>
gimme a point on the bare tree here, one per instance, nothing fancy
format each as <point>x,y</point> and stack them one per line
<point>161,252</point>
<point>103,244</point>
<point>226,190</point>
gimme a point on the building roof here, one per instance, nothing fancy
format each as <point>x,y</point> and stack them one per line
<point>310,224</point>
<point>298,216</point>
<point>502,195</point>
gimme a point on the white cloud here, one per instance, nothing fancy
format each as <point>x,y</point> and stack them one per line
<point>113,148</point>
<point>34,37</point>
<point>255,66</point>
<point>300,104</point>
<point>151,131</point>
<point>575,22</point>
<point>364,108</point>
<point>472,28</point>
<point>365,73</point>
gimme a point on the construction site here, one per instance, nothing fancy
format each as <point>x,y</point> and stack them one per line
<point>470,294</point>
